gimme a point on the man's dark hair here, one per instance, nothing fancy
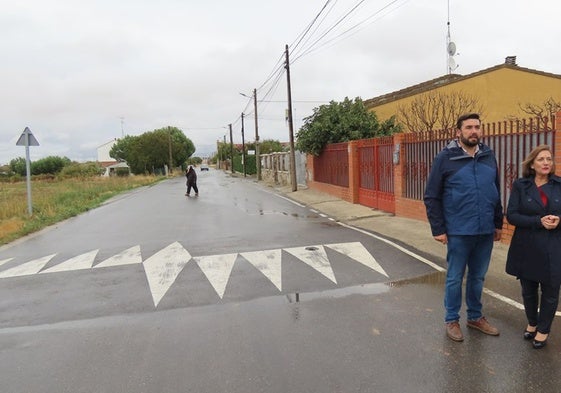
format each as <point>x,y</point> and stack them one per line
<point>466,117</point>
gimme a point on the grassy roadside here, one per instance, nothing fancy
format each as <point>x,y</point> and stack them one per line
<point>57,200</point>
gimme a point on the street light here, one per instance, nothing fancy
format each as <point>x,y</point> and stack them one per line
<point>257,155</point>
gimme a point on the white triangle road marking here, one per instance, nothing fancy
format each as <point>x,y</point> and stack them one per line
<point>359,253</point>
<point>80,262</point>
<point>315,257</point>
<point>28,268</point>
<point>163,268</point>
<point>217,269</point>
<point>5,260</point>
<point>129,256</point>
<point>267,262</point>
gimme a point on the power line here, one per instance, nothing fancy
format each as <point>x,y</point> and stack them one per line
<point>336,24</point>
<point>349,30</point>
<point>302,47</point>
<point>303,34</point>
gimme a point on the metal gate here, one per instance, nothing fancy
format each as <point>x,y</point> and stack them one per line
<point>375,185</point>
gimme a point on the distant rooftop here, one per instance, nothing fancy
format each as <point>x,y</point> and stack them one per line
<point>510,62</point>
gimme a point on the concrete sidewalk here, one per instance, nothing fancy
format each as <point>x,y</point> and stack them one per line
<point>413,233</point>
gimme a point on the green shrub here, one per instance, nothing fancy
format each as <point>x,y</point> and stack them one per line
<point>122,171</point>
<point>82,170</point>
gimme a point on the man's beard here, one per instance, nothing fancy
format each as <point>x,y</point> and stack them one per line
<point>468,142</point>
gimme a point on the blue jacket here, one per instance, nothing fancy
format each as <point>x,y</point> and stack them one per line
<point>462,196</point>
<point>534,252</point>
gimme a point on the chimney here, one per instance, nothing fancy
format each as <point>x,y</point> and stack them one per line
<point>511,60</point>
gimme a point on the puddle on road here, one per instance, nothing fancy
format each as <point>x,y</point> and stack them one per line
<point>436,279</point>
<point>365,289</point>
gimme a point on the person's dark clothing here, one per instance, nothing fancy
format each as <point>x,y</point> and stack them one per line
<point>535,252</point>
<point>191,181</point>
<point>462,196</point>
<point>540,311</point>
<point>534,255</point>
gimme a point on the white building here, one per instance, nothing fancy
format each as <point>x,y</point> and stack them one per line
<point>106,161</point>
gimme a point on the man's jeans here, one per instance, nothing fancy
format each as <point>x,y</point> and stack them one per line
<point>475,253</point>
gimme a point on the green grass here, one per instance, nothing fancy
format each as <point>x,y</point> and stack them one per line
<point>56,200</point>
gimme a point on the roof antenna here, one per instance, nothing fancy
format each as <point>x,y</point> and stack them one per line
<point>450,47</point>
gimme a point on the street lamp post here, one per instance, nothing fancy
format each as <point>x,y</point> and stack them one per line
<point>243,149</point>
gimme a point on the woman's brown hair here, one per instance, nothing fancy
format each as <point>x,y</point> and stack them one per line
<point>527,171</point>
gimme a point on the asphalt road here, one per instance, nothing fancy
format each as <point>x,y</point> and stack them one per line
<point>238,290</point>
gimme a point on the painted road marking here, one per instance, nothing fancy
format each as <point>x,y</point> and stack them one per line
<point>217,269</point>
<point>359,253</point>
<point>80,262</point>
<point>5,260</point>
<point>27,268</point>
<point>316,257</point>
<point>130,256</point>
<point>267,262</point>
<point>163,268</point>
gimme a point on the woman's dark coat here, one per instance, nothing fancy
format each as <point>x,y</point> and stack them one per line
<point>535,252</point>
<point>191,176</point>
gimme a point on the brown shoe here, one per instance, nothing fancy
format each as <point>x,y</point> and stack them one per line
<point>454,332</point>
<point>481,324</point>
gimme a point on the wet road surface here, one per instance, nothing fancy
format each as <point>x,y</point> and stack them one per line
<point>326,319</point>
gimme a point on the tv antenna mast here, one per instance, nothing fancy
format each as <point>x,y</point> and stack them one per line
<point>450,47</point>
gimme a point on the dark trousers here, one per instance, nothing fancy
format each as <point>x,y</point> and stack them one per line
<point>194,186</point>
<point>547,302</point>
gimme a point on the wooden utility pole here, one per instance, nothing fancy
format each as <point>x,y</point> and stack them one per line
<point>290,126</point>
<point>257,156</point>
<point>169,145</point>
<point>231,149</point>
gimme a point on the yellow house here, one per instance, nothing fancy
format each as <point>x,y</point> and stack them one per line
<point>500,91</point>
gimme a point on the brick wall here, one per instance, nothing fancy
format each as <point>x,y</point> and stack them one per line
<point>405,207</point>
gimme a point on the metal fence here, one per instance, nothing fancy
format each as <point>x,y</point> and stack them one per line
<point>332,166</point>
<point>511,141</point>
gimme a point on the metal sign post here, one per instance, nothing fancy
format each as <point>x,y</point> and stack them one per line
<point>27,139</point>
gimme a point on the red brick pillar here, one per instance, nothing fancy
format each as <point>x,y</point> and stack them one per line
<point>398,180</point>
<point>557,143</point>
<point>354,171</point>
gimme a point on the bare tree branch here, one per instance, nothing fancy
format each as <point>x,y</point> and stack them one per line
<point>436,110</point>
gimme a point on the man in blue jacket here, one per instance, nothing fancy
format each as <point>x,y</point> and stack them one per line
<point>464,210</point>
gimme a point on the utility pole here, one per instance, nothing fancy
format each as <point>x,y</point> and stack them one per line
<point>243,149</point>
<point>223,153</point>
<point>257,156</point>
<point>170,157</point>
<point>290,126</point>
<point>218,153</point>
<point>231,149</point>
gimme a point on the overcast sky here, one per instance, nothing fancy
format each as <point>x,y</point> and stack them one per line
<point>81,73</point>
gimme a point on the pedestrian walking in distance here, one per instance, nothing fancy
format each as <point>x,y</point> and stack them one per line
<point>191,176</point>
<point>534,255</point>
<point>463,203</point>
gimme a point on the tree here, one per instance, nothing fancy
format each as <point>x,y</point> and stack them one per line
<point>49,165</point>
<point>122,148</point>
<point>270,146</point>
<point>340,122</point>
<point>152,150</point>
<point>18,165</point>
<point>547,109</point>
<point>436,110</point>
